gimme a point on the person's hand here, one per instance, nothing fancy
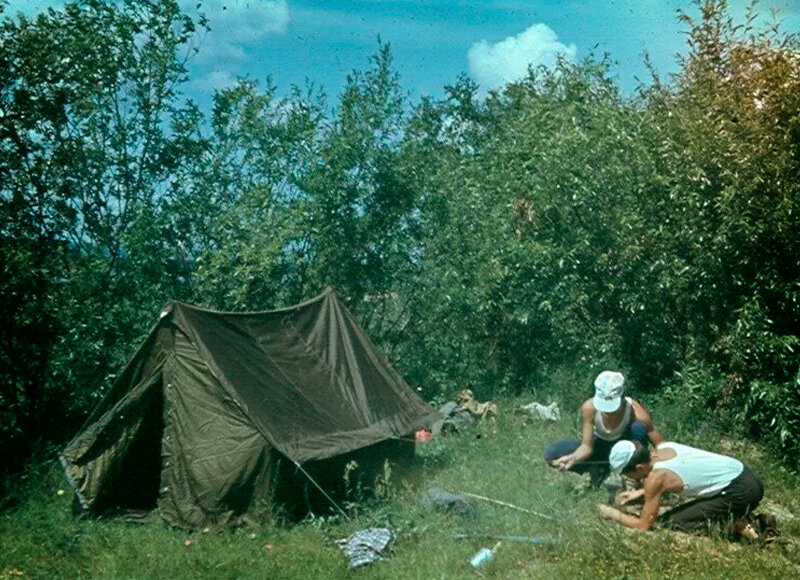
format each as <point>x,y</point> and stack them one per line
<point>626,497</point>
<point>564,462</point>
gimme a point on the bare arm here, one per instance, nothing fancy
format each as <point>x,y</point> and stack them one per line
<point>652,500</point>
<point>625,497</point>
<point>584,450</point>
<point>641,414</point>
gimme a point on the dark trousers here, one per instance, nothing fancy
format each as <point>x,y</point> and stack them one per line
<point>597,463</point>
<point>740,497</point>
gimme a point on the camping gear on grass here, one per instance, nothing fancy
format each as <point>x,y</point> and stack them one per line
<point>761,527</point>
<point>506,504</point>
<point>423,436</point>
<point>220,413</point>
<point>480,410</point>
<point>452,419</point>
<point>549,412</point>
<point>367,546</point>
<point>533,540</point>
<point>442,500</point>
<point>484,556</point>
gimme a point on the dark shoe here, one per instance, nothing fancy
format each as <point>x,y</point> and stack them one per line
<point>756,528</point>
<point>767,527</point>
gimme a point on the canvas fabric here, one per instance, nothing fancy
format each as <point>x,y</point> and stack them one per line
<point>211,398</point>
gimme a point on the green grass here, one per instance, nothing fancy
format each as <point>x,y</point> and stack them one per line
<point>40,539</point>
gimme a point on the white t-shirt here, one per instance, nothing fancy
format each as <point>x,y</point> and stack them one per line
<point>702,472</point>
<point>613,434</point>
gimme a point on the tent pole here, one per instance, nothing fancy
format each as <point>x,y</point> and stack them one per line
<point>329,498</point>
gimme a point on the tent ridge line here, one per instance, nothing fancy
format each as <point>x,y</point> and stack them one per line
<point>328,290</point>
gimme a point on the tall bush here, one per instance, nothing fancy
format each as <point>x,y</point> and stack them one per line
<point>92,134</point>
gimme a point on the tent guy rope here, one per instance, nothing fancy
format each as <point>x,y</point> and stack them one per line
<point>506,504</point>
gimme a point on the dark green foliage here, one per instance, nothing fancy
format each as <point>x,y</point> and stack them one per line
<point>26,337</point>
<point>253,254</point>
<point>735,112</point>
<point>484,241</point>
<point>86,166</point>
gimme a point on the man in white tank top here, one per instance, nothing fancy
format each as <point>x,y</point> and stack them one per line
<point>606,418</point>
<point>722,487</point>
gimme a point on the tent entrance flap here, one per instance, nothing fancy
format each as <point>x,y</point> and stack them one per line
<point>133,483</point>
<point>115,464</point>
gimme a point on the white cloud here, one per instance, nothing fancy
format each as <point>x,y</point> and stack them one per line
<point>237,24</point>
<point>493,65</point>
<point>212,81</point>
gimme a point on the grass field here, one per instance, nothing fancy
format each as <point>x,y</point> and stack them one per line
<point>39,538</point>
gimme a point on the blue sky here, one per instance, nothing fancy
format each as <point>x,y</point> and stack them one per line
<point>433,41</point>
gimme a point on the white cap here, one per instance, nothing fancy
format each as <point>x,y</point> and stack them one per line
<point>620,455</point>
<point>608,389</point>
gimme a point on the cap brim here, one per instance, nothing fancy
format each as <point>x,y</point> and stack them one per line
<point>607,405</point>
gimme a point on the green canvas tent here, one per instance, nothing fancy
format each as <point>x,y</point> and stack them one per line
<point>220,412</point>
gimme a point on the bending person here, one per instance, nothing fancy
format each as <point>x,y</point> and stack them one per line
<point>723,488</point>
<point>606,418</point>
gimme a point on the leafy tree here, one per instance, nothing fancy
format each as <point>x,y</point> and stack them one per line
<point>358,213</point>
<point>734,111</point>
<point>341,189</point>
<point>542,234</point>
<point>91,136</point>
<point>261,148</point>
<point>437,338</point>
<point>483,241</point>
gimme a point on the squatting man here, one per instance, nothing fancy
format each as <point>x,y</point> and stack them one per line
<point>722,487</point>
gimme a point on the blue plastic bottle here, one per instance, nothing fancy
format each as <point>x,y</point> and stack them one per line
<point>483,556</point>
